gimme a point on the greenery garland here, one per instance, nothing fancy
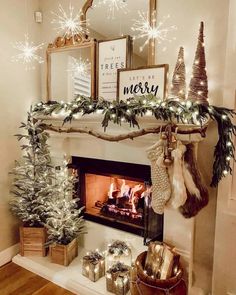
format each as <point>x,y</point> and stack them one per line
<point>171,110</point>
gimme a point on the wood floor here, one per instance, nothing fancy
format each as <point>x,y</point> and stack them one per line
<point>15,280</point>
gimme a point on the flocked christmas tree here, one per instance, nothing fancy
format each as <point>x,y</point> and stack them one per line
<point>65,222</point>
<point>198,88</point>
<point>33,176</point>
<point>178,86</point>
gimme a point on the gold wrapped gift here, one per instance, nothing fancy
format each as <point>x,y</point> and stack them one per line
<point>93,266</point>
<point>117,279</point>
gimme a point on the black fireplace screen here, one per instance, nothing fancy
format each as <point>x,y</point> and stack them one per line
<point>118,194</point>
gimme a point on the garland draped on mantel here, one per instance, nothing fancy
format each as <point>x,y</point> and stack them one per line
<point>173,111</point>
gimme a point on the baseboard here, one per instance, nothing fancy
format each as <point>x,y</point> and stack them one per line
<point>7,254</point>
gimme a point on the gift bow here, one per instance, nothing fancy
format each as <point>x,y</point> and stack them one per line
<point>93,257</point>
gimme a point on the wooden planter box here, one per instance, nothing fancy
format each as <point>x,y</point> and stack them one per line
<point>64,254</point>
<point>32,241</point>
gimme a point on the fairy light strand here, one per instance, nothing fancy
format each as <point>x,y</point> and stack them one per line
<point>187,112</point>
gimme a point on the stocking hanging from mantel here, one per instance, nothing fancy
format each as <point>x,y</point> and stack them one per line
<point>197,197</point>
<point>161,190</point>
<point>179,186</point>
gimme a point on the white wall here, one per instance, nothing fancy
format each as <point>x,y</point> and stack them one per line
<point>224,278</point>
<point>186,15</point>
<point>18,88</point>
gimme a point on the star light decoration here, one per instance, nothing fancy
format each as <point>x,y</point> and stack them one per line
<point>152,31</point>
<point>113,6</point>
<point>79,67</point>
<point>27,52</point>
<point>69,23</point>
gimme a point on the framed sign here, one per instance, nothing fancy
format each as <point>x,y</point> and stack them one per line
<point>143,81</point>
<point>112,55</point>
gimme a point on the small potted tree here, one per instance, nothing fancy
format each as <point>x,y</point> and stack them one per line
<point>65,222</point>
<point>32,187</point>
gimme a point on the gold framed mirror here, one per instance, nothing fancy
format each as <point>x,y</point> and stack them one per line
<point>71,68</point>
<point>119,23</point>
<point>66,56</point>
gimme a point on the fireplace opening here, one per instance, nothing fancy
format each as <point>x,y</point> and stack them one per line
<point>118,194</point>
<point>115,197</point>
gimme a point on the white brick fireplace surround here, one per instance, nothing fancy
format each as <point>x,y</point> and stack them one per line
<point>178,231</point>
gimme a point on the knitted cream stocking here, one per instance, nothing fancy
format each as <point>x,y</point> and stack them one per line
<point>179,194</point>
<point>160,181</point>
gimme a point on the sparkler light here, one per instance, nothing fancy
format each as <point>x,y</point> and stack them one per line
<point>79,67</point>
<point>69,23</point>
<point>28,52</point>
<point>152,31</point>
<point>113,6</point>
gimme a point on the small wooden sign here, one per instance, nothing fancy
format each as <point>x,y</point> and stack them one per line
<point>143,81</point>
<point>112,55</point>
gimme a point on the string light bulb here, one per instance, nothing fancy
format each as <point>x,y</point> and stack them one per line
<point>224,117</point>
<point>188,103</point>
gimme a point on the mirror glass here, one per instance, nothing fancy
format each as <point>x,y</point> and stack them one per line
<point>113,19</point>
<point>71,74</point>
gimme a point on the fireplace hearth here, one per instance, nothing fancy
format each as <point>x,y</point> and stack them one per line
<point>118,195</point>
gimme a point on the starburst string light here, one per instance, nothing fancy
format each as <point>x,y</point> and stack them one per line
<point>79,67</point>
<point>28,52</point>
<point>152,31</point>
<point>69,23</point>
<point>113,6</point>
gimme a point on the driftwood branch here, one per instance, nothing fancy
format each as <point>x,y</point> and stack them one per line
<point>120,137</point>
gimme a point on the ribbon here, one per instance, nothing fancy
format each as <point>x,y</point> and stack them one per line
<point>118,267</point>
<point>93,257</point>
<point>118,248</point>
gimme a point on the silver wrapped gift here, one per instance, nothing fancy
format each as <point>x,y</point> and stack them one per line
<point>118,279</point>
<point>118,251</point>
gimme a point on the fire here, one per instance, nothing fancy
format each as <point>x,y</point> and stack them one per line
<point>110,192</point>
<point>125,192</point>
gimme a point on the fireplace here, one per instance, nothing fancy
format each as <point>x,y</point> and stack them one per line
<point>117,194</point>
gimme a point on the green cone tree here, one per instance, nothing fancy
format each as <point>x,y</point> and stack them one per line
<point>65,221</point>
<point>33,175</point>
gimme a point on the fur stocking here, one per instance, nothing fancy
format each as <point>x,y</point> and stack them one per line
<point>179,194</point>
<point>160,181</point>
<point>196,190</point>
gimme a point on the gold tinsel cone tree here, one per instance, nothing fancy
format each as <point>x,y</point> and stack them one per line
<point>198,88</point>
<point>178,86</point>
